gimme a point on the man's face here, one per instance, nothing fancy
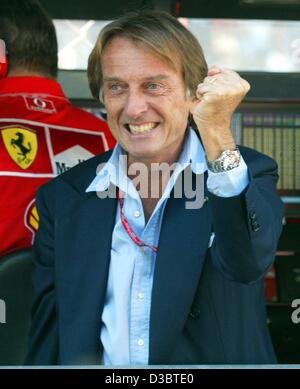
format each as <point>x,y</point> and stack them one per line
<point>145,98</point>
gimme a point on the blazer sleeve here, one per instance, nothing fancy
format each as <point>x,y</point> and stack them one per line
<point>43,338</point>
<point>247,227</point>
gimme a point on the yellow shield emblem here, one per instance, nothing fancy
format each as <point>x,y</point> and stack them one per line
<point>34,219</point>
<point>21,144</point>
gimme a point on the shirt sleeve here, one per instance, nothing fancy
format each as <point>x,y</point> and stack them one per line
<point>229,183</point>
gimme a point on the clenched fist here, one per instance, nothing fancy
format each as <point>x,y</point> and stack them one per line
<point>217,98</point>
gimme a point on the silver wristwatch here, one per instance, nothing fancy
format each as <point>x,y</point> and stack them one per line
<point>229,159</point>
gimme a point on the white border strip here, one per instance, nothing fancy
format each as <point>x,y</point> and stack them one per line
<point>41,124</point>
<point>50,150</point>
<point>25,221</point>
<point>32,175</point>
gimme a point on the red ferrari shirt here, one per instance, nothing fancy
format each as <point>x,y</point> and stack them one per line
<point>41,136</point>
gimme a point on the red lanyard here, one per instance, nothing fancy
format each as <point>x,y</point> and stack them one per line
<point>129,229</point>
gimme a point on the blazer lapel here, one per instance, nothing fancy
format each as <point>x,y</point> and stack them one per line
<point>184,240</point>
<point>84,252</point>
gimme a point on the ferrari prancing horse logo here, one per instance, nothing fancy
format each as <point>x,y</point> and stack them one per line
<point>21,144</point>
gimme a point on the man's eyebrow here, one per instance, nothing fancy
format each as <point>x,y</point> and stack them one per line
<point>111,79</point>
<point>157,77</point>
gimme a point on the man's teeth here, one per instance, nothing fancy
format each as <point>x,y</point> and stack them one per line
<point>142,128</point>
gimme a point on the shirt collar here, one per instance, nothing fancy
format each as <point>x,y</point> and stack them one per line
<point>28,84</point>
<point>114,170</point>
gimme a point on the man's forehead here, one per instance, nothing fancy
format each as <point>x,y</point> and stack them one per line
<point>125,50</point>
<point>125,60</point>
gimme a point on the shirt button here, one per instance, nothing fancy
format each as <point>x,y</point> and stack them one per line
<point>141,296</point>
<point>136,213</point>
<point>140,342</point>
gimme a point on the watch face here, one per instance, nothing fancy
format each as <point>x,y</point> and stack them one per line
<point>229,162</point>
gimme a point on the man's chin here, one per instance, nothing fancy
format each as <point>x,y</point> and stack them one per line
<point>143,154</point>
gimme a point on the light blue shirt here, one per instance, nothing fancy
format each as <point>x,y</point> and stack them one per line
<point>126,314</point>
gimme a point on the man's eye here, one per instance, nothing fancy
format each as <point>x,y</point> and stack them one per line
<point>115,87</point>
<point>153,86</point>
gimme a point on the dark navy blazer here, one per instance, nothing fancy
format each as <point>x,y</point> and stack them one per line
<point>208,304</point>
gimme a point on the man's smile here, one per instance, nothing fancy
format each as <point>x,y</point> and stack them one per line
<point>142,128</point>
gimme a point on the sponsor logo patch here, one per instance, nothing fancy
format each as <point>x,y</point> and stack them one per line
<point>21,144</point>
<point>39,104</point>
<point>70,157</point>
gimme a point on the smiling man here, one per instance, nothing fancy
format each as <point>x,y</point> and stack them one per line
<point>135,278</point>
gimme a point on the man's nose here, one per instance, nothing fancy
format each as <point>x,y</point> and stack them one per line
<point>136,105</point>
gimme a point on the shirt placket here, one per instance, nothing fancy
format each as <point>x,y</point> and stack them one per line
<point>141,298</point>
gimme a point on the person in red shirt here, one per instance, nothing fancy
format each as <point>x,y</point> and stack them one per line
<point>41,133</point>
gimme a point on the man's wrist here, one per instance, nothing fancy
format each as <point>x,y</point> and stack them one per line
<point>217,140</point>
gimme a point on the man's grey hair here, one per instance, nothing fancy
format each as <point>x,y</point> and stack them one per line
<point>164,34</point>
